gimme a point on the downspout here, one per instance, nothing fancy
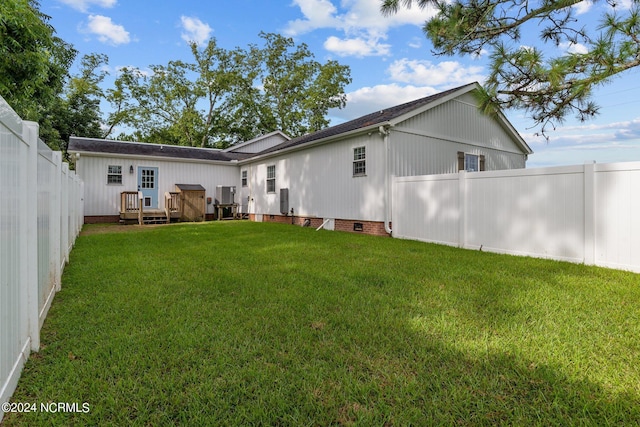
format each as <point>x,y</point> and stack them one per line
<point>251,206</point>
<point>384,131</point>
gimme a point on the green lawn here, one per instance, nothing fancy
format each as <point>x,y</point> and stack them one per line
<point>237,323</point>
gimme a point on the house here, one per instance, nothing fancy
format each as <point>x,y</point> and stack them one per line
<point>338,177</point>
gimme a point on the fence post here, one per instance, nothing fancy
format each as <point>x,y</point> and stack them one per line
<point>462,208</point>
<point>29,255</point>
<point>54,222</point>
<point>589,213</point>
<point>64,215</point>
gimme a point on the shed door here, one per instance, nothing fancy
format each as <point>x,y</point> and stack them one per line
<point>148,185</point>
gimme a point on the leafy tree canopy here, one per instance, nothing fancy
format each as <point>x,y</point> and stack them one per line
<point>226,96</point>
<point>548,88</point>
<point>33,61</point>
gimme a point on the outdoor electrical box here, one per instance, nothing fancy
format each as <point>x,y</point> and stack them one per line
<point>284,201</point>
<point>224,195</point>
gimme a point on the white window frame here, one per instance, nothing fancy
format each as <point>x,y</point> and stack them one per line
<point>359,161</point>
<point>271,179</point>
<point>114,176</point>
<point>467,160</point>
<point>244,176</point>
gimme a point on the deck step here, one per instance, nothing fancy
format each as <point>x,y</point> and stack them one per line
<point>157,217</point>
<point>154,220</point>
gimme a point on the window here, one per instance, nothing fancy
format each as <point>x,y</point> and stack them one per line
<point>271,179</point>
<point>114,174</point>
<point>244,178</point>
<point>359,161</point>
<point>148,179</point>
<point>470,162</point>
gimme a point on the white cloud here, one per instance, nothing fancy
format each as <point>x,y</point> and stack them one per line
<point>358,47</point>
<point>355,15</point>
<point>195,30</point>
<point>317,13</point>
<point>415,43</point>
<point>582,7</point>
<point>604,142</point>
<point>421,72</point>
<point>106,30</point>
<point>83,5</point>
<point>622,4</point>
<point>360,20</point>
<point>574,47</point>
<point>370,99</point>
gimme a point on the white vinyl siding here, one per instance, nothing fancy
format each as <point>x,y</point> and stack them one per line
<point>320,181</point>
<point>103,199</point>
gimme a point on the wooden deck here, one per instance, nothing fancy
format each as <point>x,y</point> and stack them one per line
<point>132,210</point>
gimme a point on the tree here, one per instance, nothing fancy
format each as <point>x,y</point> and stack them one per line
<point>77,110</point>
<point>182,103</point>
<point>223,75</point>
<point>548,89</point>
<point>297,91</point>
<point>34,63</point>
<point>228,96</point>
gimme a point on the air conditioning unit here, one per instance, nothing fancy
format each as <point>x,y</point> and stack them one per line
<point>224,195</point>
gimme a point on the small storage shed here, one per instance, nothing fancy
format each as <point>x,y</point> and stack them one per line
<point>192,201</point>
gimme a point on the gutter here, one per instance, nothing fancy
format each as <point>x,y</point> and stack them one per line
<point>385,132</point>
<point>231,162</point>
<point>326,140</point>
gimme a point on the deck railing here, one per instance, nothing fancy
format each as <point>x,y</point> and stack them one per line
<point>131,202</point>
<point>172,205</point>
<point>131,206</point>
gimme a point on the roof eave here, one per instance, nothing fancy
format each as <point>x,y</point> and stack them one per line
<point>516,135</point>
<point>465,89</point>
<point>314,143</point>
<point>256,139</point>
<point>434,103</point>
<point>230,162</point>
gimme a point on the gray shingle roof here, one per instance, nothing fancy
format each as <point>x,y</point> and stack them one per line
<point>144,149</point>
<point>379,117</point>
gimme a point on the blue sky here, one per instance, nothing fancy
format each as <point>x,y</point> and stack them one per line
<point>391,60</point>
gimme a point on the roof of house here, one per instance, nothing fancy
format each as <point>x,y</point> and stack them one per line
<point>258,139</point>
<point>388,116</point>
<point>373,119</point>
<point>93,145</point>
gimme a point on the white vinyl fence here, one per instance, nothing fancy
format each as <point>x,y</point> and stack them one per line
<point>586,213</point>
<point>40,216</point>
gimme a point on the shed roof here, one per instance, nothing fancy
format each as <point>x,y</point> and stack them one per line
<point>93,145</point>
<point>190,187</point>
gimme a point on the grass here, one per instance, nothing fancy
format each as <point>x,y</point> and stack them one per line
<point>241,323</point>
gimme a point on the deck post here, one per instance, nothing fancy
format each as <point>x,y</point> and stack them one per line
<point>140,202</point>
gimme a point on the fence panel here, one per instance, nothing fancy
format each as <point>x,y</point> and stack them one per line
<point>14,327</point>
<point>617,229</point>
<point>32,227</point>
<point>581,213</point>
